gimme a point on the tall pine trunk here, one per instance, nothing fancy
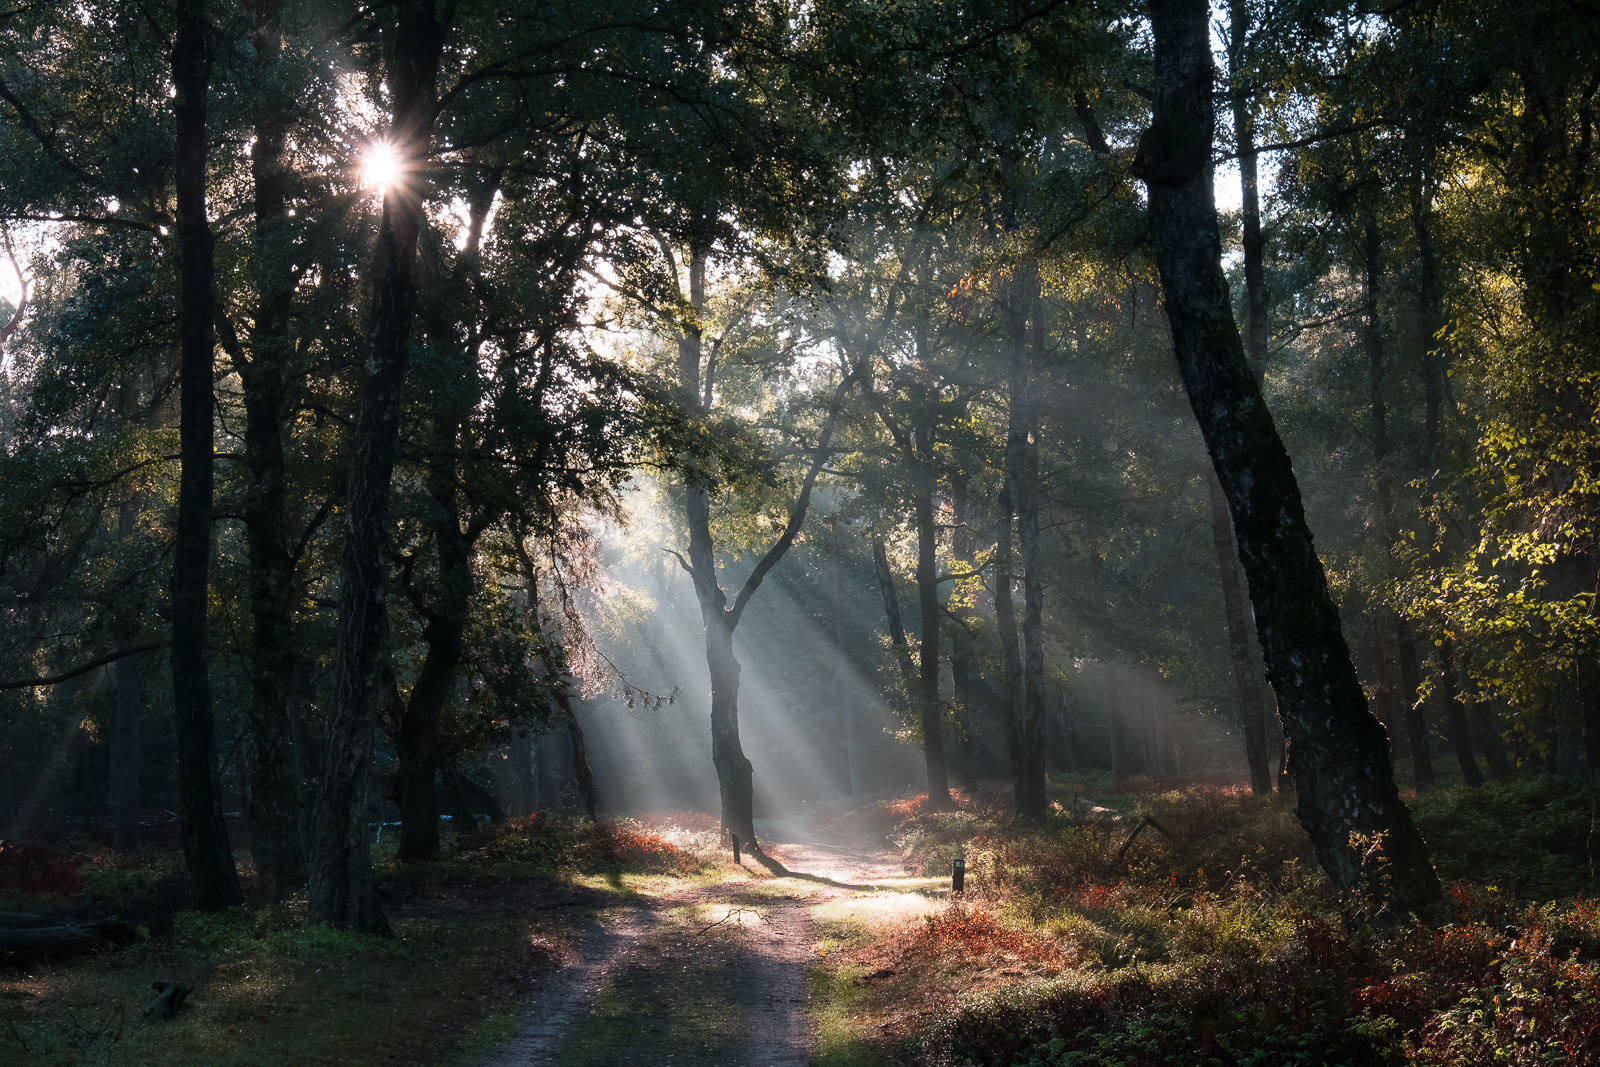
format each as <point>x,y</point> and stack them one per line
<point>274,806</point>
<point>341,886</point>
<point>205,835</point>
<point>1340,758</point>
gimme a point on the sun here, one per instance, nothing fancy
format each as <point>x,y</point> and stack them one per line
<point>381,167</point>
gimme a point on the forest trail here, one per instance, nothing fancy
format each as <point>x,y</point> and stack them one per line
<point>709,975</point>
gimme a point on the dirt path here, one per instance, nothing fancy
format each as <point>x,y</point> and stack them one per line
<point>706,976</point>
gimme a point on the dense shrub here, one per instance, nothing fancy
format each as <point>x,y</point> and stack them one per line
<point>1221,943</point>
<point>550,842</point>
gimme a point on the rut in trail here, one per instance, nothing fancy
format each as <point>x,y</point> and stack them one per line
<point>707,977</point>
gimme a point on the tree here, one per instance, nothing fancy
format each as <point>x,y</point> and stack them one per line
<point>1339,756</point>
<point>205,835</point>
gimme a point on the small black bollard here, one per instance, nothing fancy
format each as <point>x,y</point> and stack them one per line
<point>735,839</point>
<point>958,878</point>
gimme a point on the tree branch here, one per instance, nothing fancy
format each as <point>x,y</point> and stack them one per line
<point>112,657</point>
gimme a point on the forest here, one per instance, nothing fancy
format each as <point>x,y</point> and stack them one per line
<point>1043,533</point>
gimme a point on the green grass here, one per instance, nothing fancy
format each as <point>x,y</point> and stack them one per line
<point>836,997</point>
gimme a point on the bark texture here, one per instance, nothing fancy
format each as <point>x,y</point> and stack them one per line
<point>1339,755</point>
<point>205,835</point>
<point>341,885</point>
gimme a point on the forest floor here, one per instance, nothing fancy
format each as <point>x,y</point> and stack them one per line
<point>715,972</point>
<point>552,941</point>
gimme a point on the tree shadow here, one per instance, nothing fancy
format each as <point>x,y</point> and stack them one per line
<point>780,871</point>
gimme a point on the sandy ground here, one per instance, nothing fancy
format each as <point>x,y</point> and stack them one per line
<point>708,975</point>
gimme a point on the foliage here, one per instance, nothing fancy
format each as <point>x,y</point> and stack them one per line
<point>552,842</point>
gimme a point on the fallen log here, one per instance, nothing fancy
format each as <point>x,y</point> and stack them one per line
<point>169,1000</point>
<point>60,942</point>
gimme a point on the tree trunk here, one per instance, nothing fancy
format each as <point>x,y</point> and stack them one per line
<point>1383,657</point>
<point>1415,711</point>
<point>1490,736</point>
<point>417,742</point>
<point>1340,757</point>
<point>341,886</point>
<point>1032,804</point>
<point>928,605</point>
<point>891,609</point>
<point>580,757</point>
<point>125,732</point>
<point>962,644</point>
<point>1431,311</point>
<point>1252,709</point>
<point>125,759</point>
<point>1383,484</point>
<point>735,776</point>
<point>842,681</point>
<point>1456,715</point>
<point>274,806</point>
<point>417,759</point>
<point>205,835</point>
<point>1252,244</point>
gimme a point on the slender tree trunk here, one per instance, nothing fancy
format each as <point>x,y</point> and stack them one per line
<point>962,645</point>
<point>274,807</point>
<point>928,605</point>
<point>125,733</point>
<point>1430,305</point>
<point>125,758</point>
<point>341,886</point>
<point>1252,709</point>
<point>205,835</point>
<point>1340,757</point>
<point>1032,804</point>
<point>555,670</point>
<point>842,681</point>
<point>1383,657</point>
<point>417,742</point>
<point>1383,484</point>
<point>1490,737</point>
<point>1252,243</point>
<point>1456,715</point>
<point>891,609</point>
<point>1416,713</point>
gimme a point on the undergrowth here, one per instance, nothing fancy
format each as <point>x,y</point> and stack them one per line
<point>1213,939</point>
<point>551,843</point>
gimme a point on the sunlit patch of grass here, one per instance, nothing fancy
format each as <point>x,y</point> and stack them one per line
<point>842,1035</point>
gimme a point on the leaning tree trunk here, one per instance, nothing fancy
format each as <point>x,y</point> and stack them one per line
<point>891,611</point>
<point>928,605</point>
<point>205,835</point>
<point>341,886</point>
<point>1340,758</point>
<point>274,804</point>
